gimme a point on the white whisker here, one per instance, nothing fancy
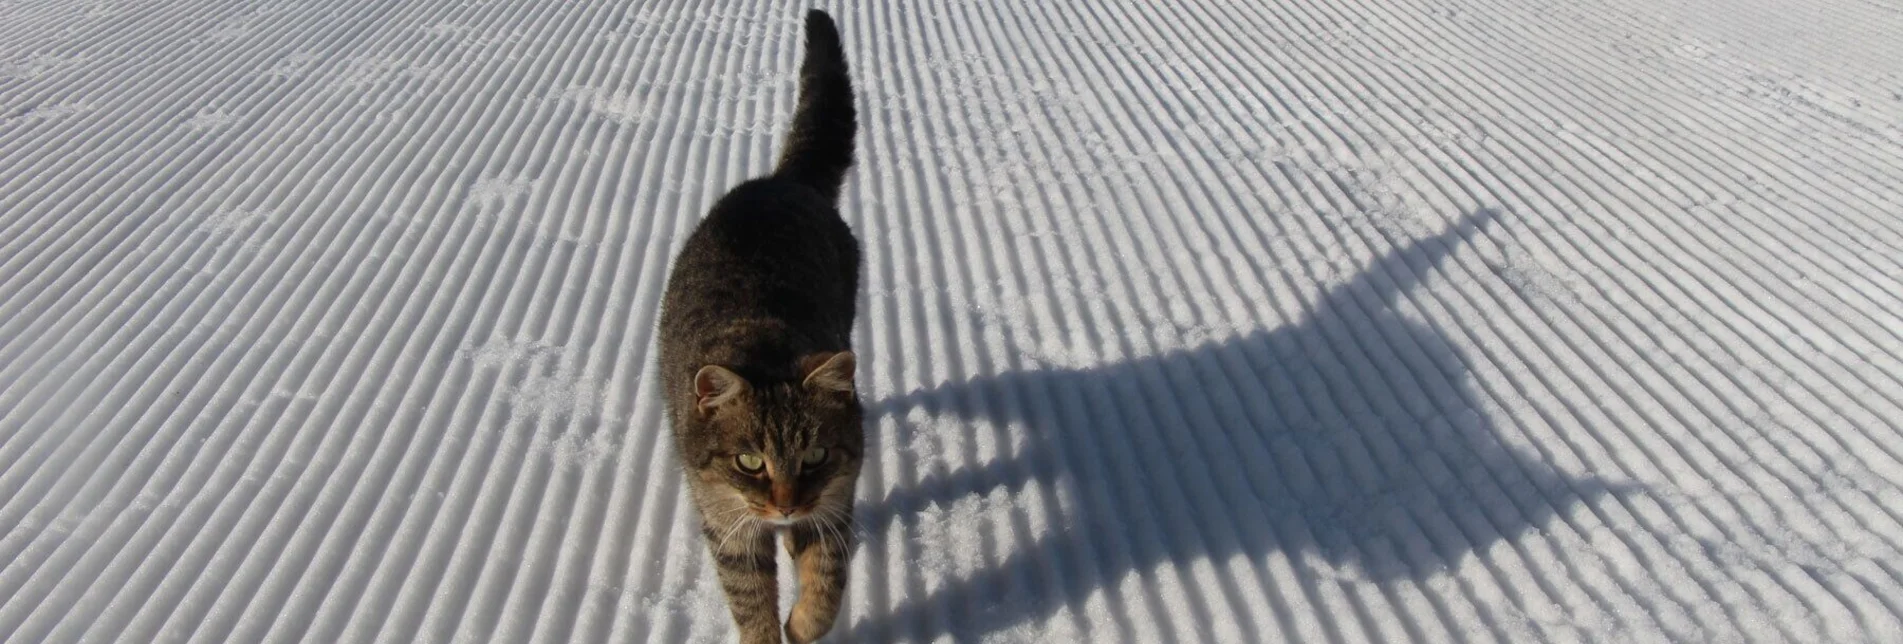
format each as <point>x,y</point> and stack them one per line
<point>731,529</point>
<point>834,517</point>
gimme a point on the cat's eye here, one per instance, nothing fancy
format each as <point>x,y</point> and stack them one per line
<point>813,456</point>
<point>749,463</point>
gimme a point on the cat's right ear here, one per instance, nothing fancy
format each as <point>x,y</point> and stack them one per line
<point>829,372</point>
<point>714,386</point>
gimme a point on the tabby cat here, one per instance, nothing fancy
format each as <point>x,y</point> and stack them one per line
<point>757,364</point>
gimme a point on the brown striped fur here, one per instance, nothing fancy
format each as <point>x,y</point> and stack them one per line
<point>756,365</point>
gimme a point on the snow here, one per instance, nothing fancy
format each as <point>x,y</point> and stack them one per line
<point>1482,320</point>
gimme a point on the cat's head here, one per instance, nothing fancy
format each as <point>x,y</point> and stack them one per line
<point>787,451</point>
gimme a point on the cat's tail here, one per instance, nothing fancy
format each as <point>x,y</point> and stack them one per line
<point>819,146</point>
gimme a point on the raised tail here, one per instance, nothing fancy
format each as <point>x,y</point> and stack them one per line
<point>819,146</point>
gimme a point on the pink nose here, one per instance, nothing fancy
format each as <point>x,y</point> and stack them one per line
<point>785,510</point>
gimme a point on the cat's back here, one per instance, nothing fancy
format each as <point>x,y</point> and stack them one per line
<point>765,228</point>
<point>763,216</point>
<point>770,248</point>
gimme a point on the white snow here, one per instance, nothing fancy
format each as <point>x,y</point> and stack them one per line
<point>1212,320</point>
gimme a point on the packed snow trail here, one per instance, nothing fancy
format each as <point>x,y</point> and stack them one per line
<point>1311,320</point>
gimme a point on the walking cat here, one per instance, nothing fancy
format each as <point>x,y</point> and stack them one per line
<point>757,365</point>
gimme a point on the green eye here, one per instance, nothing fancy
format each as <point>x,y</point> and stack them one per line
<point>749,463</point>
<point>813,456</point>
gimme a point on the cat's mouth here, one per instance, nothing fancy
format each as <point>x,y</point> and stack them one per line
<point>774,516</point>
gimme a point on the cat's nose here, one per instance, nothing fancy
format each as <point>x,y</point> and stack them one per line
<point>785,510</point>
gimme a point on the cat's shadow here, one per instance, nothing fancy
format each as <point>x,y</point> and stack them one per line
<point>1354,435</point>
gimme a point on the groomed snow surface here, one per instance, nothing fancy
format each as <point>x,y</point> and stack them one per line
<point>1211,320</point>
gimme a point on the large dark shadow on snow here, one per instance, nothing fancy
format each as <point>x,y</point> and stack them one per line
<point>1353,435</point>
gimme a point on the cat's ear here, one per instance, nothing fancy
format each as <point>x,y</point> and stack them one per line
<point>715,386</point>
<point>829,371</point>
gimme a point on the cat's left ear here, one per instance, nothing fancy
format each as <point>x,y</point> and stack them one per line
<point>716,386</point>
<point>829,371</point>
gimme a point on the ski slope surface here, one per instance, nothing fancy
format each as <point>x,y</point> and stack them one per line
<point>1197,321</point>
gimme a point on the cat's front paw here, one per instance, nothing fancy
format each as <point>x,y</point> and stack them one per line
<point>806,625</point>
